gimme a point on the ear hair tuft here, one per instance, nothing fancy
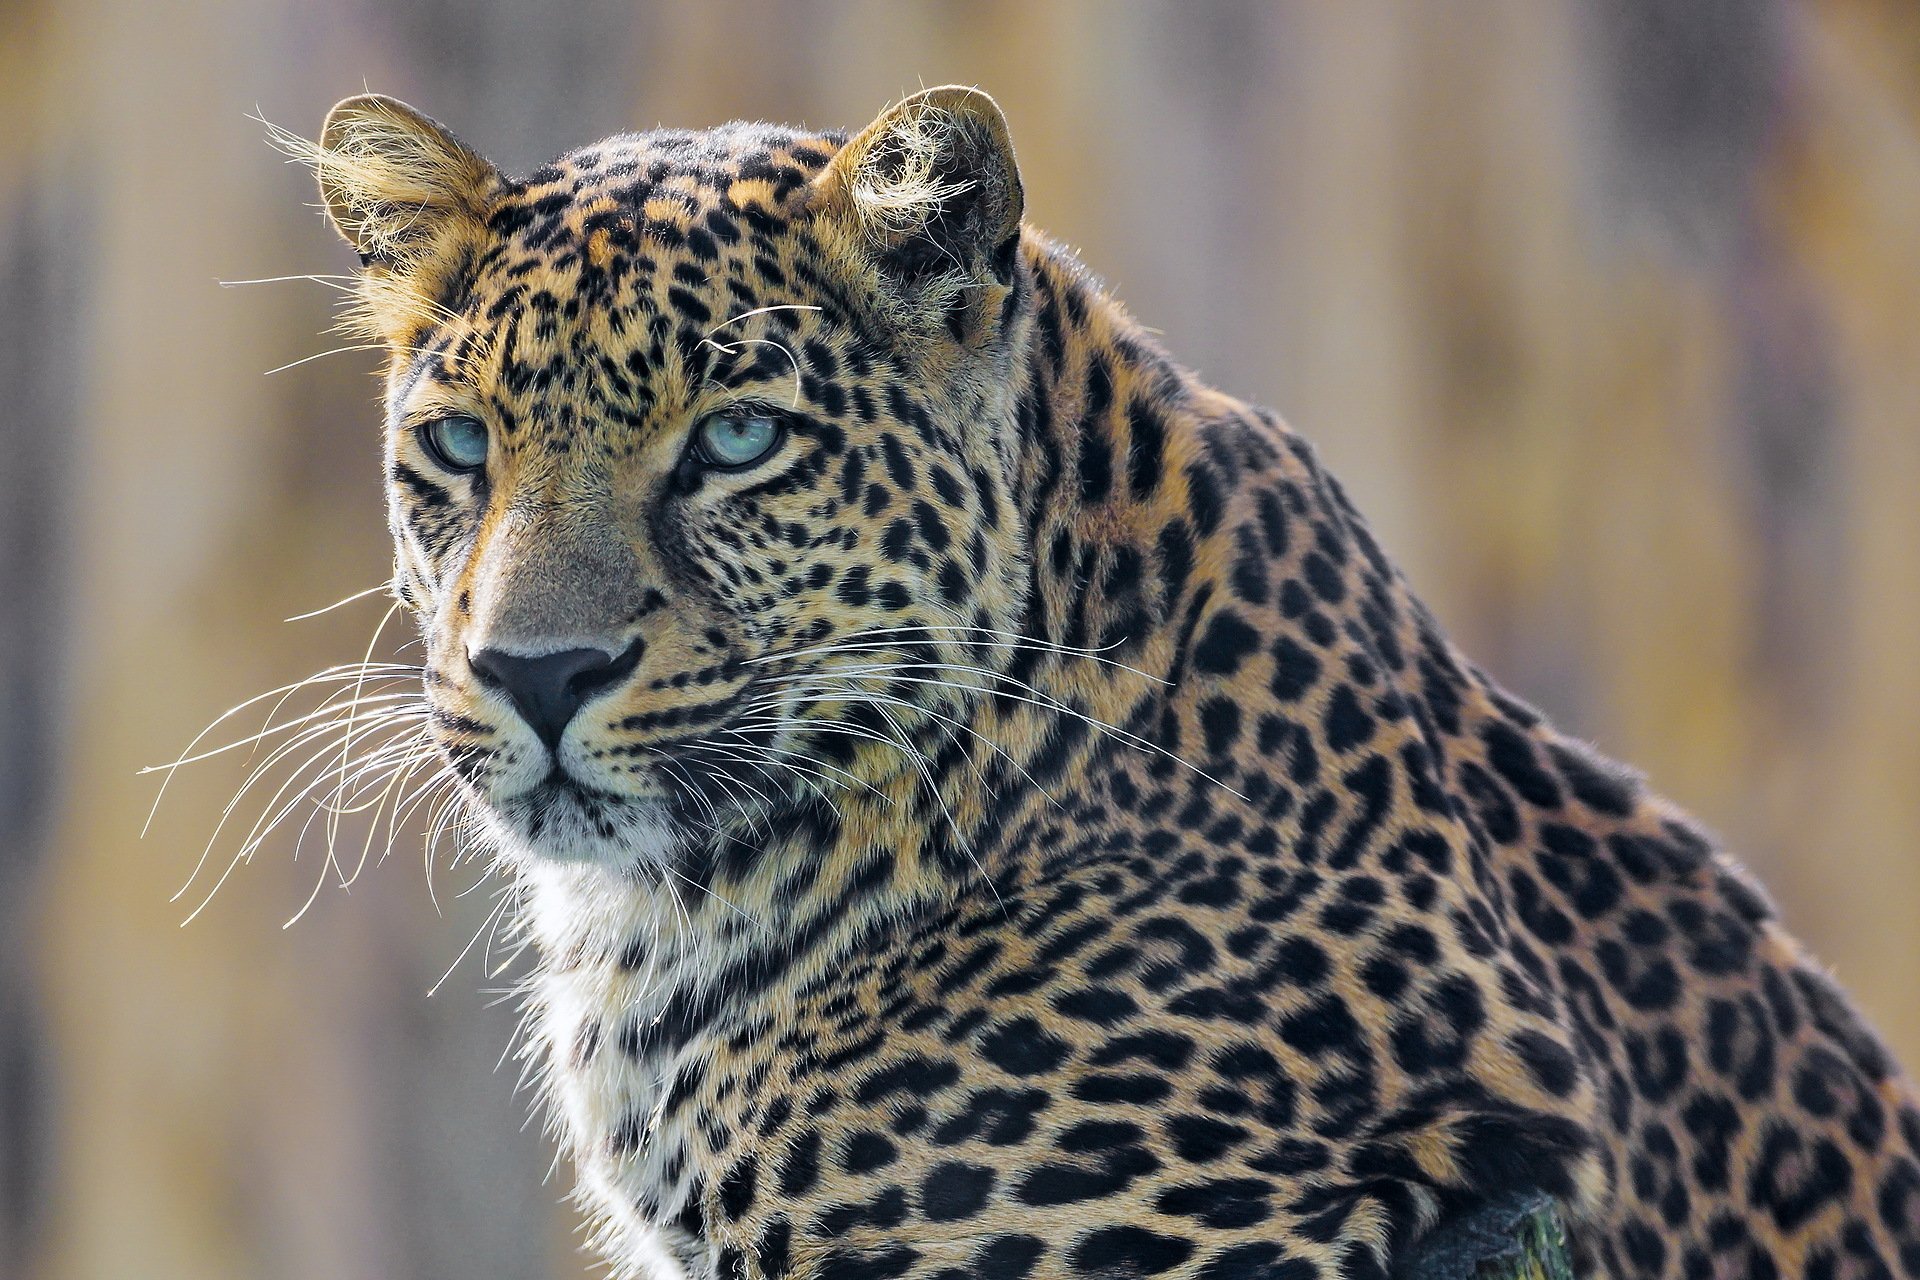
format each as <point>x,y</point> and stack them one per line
<point>409,197</point>
<point>901,182</point>
<point>932,195</point>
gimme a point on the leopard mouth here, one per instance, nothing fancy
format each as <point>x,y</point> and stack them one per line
<point>564,819</point>
<point>739,770</point>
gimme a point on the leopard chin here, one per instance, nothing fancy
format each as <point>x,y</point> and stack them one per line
<point>562,821</point>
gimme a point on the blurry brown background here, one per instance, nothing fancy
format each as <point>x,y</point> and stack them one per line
<point>1609,313</point>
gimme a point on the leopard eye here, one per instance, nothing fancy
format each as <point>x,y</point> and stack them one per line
<point>730,441</point>
<point>456,442</point>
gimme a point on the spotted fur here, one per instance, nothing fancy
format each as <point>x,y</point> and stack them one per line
<point>1037,833</point>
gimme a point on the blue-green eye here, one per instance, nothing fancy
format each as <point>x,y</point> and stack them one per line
<point>730,441</point>
<point>458,442</point>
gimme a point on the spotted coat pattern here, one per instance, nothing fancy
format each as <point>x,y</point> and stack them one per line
<point>1038,832</point>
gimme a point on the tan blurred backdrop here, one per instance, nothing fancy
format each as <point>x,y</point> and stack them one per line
<point>1609,313</point>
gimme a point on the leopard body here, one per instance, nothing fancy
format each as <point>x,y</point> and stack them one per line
<point>1037,832</point>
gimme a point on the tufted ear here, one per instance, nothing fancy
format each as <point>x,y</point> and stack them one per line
<point>408,196</point>
<point>393,179</point>
<point>931,193</point>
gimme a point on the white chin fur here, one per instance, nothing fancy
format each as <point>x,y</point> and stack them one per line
<point>643,835</point>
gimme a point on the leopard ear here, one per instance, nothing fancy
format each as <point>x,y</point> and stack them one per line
<point>408,196</point>
<point>395,180</point>
<point>932,194</point>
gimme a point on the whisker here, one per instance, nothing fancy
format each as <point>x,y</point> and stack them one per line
<point>720,898</point>
<point>757,311</point>
<point>860,695</point>
<point>331,710</point>
<point>321,355</point>
<point>358,595</point>
<point>1047,703</point>
<point>851,780</point>
<point>297,781</point>
<point>346,743</point>
<point>285,691</point>
<point>1005,640</point>
<point>919,762</point>
<point>492,918</point>
<point>748,760</point>
<point>331,281</point>
<point>300,740</point>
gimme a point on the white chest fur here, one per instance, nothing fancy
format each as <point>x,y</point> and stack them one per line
<point>616,955</point>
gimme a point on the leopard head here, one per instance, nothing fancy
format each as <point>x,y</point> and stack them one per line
<point>685,432</point>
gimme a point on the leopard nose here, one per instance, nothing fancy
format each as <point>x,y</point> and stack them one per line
<point>548,688</point>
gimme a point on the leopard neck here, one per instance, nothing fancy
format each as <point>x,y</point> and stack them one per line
<point>1101,425</point>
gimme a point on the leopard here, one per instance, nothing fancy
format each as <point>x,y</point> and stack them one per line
<point>983,802</point>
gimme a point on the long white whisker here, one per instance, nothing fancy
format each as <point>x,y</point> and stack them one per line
<point>841,777</point>
<point>722,899</point>
<point>862,641</point>
<point>300,740</point>
<point>757,311</point>
<point>860,695</point>
<point>693,788</point>
<point>752,762</point>
<point>321,355</point>
<point>346,743</point>
<point>492,917</point>
<point>1048,703</point>
<point>926,773</point>
<point>331,281</point>
<point>285,691</point>
<point>358,595</point>
<point>331,711</point>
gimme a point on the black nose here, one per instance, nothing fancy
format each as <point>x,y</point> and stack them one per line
<point>549,688</point>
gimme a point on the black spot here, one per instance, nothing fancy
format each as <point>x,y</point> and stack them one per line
<point>1347,724</point>
<point>800,1167</point>
<point>1549,1063</point>
<point>1022,1047</point>
<point>998,1117</point>
<point>736,1189</point>
<point>1204,499</point>
<point>1257,1262</point>
<point>1096,462</point>
<point>1220,724</point>
<point>867,1151</point>
<point>1009,1256</point>
<point>916,1076</point>
<point>887,1263</point>
<point>1294,669</point>
<point>1104,1087</point>
<point>1227,642</point>
<point>1124,1252</point>
<point>1513,758</point>
<point>1105,1172</point>
<point>1146,449</point>
<point>1099,1003</point>
<point>1794,1182</point>
<point>1201,1139</point>
<point>1225,1203</point>
<point>1325,1026</point>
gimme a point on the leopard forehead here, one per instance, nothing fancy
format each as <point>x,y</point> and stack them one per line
<point>615,278</point>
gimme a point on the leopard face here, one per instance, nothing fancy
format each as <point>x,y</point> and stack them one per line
<point>676,431</point>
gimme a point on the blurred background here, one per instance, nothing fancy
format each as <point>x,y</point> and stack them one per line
<point>1605,309</point>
